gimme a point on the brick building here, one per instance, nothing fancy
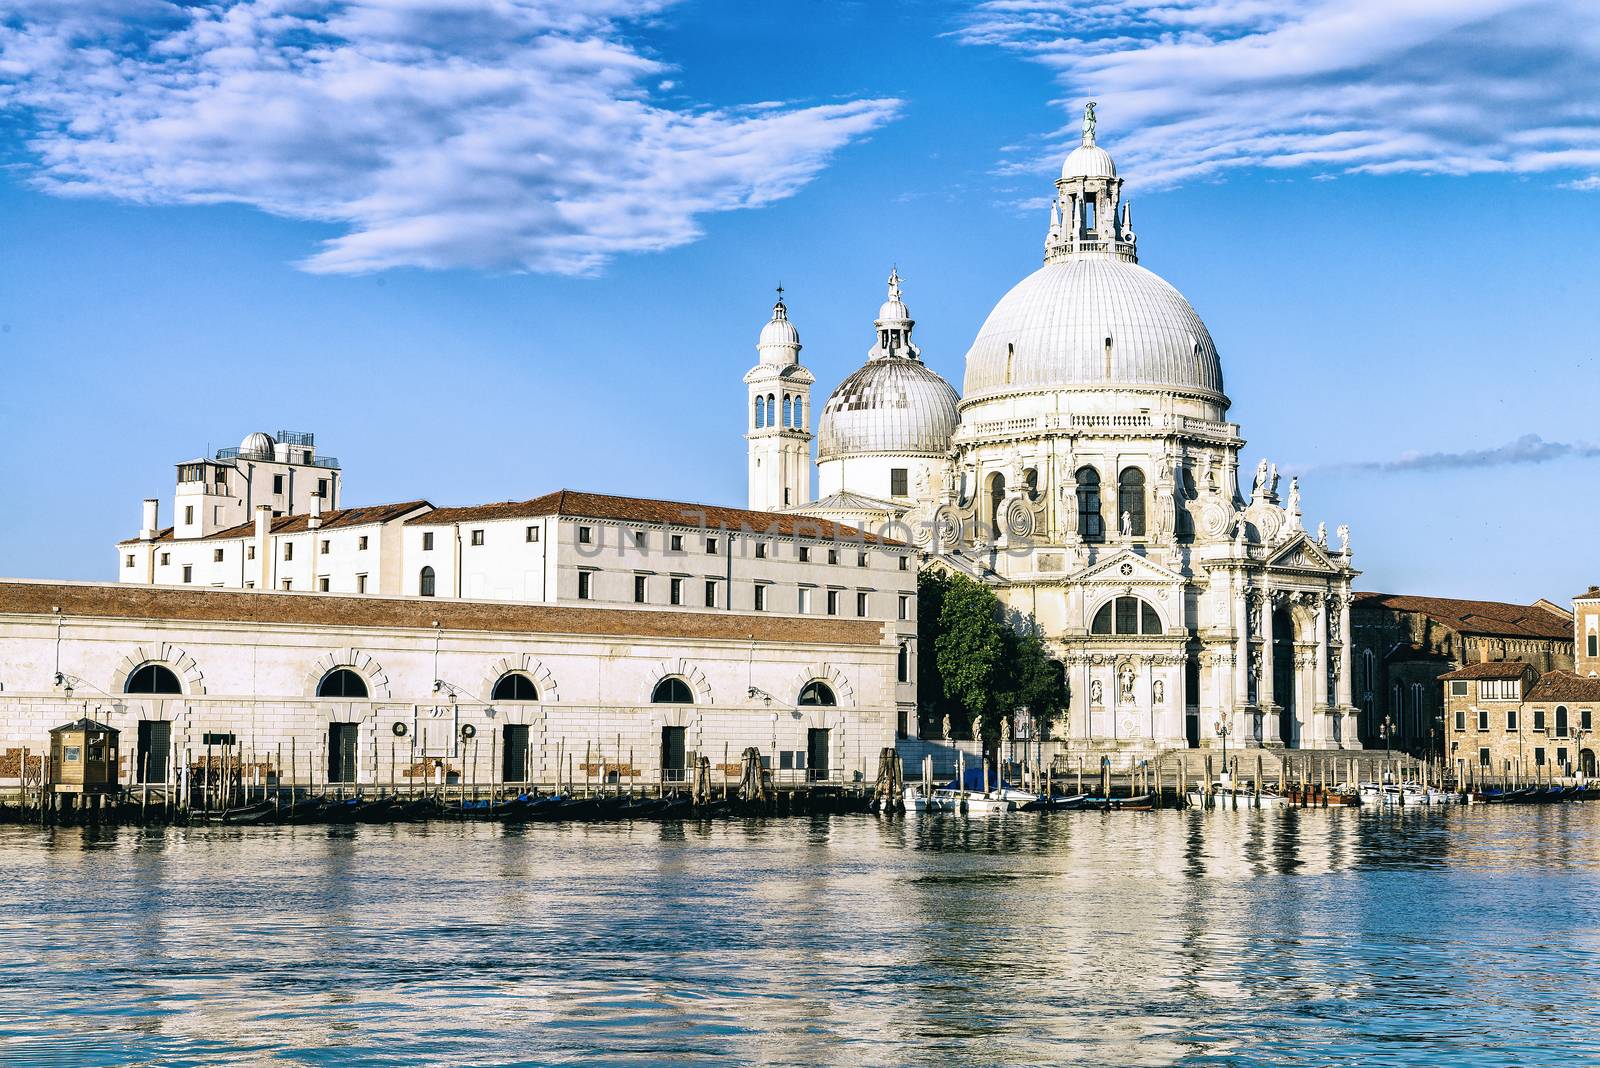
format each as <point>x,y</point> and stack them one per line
<point>1404,644</point>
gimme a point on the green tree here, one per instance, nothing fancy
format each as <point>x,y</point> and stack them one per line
<point>970,647</point>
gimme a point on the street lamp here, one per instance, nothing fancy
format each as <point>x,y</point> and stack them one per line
<point>1386,728</point>
<point>1222,730</point>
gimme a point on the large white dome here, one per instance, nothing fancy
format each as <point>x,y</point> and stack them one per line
<point>1052,331</point>
<point>888,406</point>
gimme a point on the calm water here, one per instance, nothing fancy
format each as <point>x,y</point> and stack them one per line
<point>1138,938</point>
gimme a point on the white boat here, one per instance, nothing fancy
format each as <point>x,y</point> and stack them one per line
<point>968,802</point>
<point>1230,796</point>
<point>1404,794</point>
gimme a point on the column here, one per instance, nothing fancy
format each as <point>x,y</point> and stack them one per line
<point>1350,737</point>
<point>1241,642</point>
<point>1320,727</point>
<point>1265,698</point>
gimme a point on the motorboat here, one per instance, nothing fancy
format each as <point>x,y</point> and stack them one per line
<point>969,794</point>
<point>1236,795</point>
<point>1403,794</point>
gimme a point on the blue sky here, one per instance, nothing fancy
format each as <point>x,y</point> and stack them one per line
<point>486,248</point>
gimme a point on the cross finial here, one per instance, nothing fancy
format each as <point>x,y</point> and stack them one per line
<point>780,292</point>
<point>1088,123</point>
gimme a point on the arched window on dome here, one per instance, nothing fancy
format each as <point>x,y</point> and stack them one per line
<point>1126,615</point>
<point>772,409</point>
<point>1130,499</point>
<point>997,493</point>
<point>761,412</point>
<point>425,582</point>
<point>1091,525</point>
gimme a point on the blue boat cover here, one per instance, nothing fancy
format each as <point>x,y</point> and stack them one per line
<point>974,781</point>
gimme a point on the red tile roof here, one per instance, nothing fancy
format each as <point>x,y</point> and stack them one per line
<point>1493,619</point>
<point>1565,686</point>
<point>119,601</point>
<point>1592,594</point>
<point>645,510</point>
<point>1494,669</point>
<point>295,524</point>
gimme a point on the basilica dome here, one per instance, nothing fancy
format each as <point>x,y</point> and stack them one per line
<point>888,406</point>
<point>1092,321</point>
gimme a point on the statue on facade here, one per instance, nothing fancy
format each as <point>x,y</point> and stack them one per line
<point>1088,123</point>
<point>1096,693</point>
<point>922,487</point>
<point>1322,535</point>
<point>1344,538</point>
<point>1254,602</point>
<point>1259,487</point>
<point>1159,691</point>
<point>1255,663</point>
<point>1125,681</point>
<point>977,728</point>
<point>1206,474</point>
<point>1127,525</point>
<point>1238,534</point>
<point>1272,482</point>
<point>944,727</point>
<point>1294,502</point>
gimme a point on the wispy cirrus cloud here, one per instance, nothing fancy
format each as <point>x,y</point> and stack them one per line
<point>1528,449</point>
<point>490,134</point>
<point>1197,88</point>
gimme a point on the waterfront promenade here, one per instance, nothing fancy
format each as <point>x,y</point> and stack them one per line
<point>1461,936</point>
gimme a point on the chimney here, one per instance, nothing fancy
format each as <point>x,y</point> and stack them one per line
<point>152,514</point>
<point>263,548</point>
<point>315,519</point>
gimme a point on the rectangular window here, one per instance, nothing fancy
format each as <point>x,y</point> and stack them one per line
<point>905,563</point>
<point>861,604</point>
<point>804,601</point>
<point>166,558</point>
<point>1586,719</point>
<point>1483,719</point>
<point>761,550</point>
<point>676,543</point>
<point>216,514</point>
<point>833,556</point>
<point>1538,757</point>
<point>861,559</point>
<point>585,535</point>
<point>326,545</point>
<point>477,537</point>
<point>584,580</point>
<point>711,593</point>
<point>1538,719</point>
<point>675,590</point>
<point>288,584</point>
<point>833,602</point>
<point>361,543</point>
<point>1483,758</point>
<point>128,560</point>
<point>903,664</point>
<point>218,738</point>
<point>427,540</point>
<point>277,483</point>
<point>1594,645</point>
<point>322,487</point>
<point>1461,719</point>
<point>761,597</point>
<point>897,482</point>
<point>805,554</point>
<point>1511,719</point>
<point>1458,688</point>
<point>531,534</point>
<point>188,572</point>
<point>342,751</point>
<point>1561,757</point>
<point>639,540</point>
<point>322,583</point>
<point>216,556</point>
<point>905,606</point>
<point>641,589</point>
<point>361,584</point>
<point>786,760</point>
<point>288,550</point>
<point>188,513</point>
<point>711,546</point>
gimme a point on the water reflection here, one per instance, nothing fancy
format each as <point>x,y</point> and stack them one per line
<point>1415,937</point>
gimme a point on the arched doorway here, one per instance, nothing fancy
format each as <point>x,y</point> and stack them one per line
<point>1283,688</point>
<point>1586,763</point>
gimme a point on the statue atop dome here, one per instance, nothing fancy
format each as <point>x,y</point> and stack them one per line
<point>1088,123</point>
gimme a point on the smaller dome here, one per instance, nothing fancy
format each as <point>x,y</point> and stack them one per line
<point>893,310</point>
<point>779,330</point>
<point>258,444</point>
<point>889,406</point>
<point>1089,161</point>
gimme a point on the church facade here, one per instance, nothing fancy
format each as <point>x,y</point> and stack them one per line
<point>1089,473</point>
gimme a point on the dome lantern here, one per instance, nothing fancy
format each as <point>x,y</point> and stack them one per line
<point>1084,216</point>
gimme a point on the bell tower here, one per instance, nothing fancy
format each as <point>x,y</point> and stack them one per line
<point>778,417</point>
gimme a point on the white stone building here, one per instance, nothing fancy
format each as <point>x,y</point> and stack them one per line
<point>313,688</point>
<point>1089,472</point>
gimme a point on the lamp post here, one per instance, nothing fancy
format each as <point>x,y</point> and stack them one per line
<point>1386,728</point>
<point>1222,730</point>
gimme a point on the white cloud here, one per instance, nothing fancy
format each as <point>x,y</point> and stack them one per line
<point>493,134</point>
<point>1194,88</point>
<point>1528,449</point>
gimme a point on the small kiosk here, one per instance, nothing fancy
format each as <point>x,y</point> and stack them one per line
<point>83,760</point>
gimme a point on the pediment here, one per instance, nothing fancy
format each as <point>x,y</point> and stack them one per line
<point>1302,554</point>
<point>1128,567</point>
